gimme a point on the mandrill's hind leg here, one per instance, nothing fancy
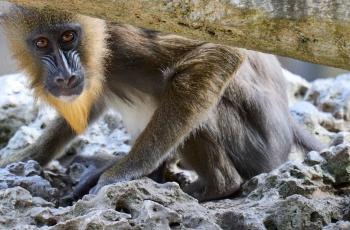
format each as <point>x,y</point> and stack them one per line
<point>217,176</point>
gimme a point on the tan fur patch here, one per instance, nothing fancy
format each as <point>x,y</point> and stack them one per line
<point>77,112</point>
<point>92,57</point>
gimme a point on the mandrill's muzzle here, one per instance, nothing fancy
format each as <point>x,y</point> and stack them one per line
<point>65,75</point>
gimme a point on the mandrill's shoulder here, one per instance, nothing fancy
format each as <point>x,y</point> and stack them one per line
<point>150,41</point>
<point>128,34</point>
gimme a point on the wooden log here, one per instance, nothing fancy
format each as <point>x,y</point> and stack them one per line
<point>309,30</point>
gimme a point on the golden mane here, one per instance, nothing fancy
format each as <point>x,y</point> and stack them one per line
<point>93,55</point>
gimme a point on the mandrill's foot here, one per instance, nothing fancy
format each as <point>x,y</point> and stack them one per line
<point>94,168</point>
<point>101,183</point>
<point>110,176</point>
<point>205,192</point>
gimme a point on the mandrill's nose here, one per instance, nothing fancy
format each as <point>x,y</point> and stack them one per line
<point>66,82</point>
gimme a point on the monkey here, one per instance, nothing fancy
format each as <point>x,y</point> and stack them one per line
<point>222,109</point>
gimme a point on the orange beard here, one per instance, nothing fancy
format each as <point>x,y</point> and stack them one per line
<point>76,112</point>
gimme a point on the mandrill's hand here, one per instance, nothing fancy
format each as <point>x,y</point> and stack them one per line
<point>101,183</point>
<point>31,152</point>
<point>118,172</point>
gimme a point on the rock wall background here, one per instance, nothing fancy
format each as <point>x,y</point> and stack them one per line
<point>309,193</point>
<point>7,65</point>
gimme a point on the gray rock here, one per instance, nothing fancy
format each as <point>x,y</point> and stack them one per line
<point>153,215</point>
<point>29,176</point>
<point>20,210</point>
<point>149,204</point>
<point>314,158</point>
<point>16,106</point>
<point>297,87</point>
<point>338,164</point>
<point>275,212</point>
<point>325,110</point>
<point>340,138</point>
<point>332,96</point>
<point>340,225</point>
<point>298,212</point>
<point>308,195</point>
<point>139,204</point>
<point>316,121</point>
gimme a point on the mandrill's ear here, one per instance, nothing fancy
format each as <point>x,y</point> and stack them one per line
<point>6,8</point>
<point>5,14</point>
<point>10,11</point>
<point>3,17</point>
<point>3,21</point>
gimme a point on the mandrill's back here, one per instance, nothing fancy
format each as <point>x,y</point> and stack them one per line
<point>258,134</point>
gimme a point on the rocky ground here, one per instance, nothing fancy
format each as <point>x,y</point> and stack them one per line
<point>309,193</point>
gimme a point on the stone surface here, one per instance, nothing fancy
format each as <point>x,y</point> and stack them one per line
<point>29,176</point>
<point>139,204</point>
<point>310,194</point>
<point>297,87</point>
<point>294,196</point>
<point>332,96</point>
<point>16,106</point>
<point>325,108</point>
<point>340,225</point>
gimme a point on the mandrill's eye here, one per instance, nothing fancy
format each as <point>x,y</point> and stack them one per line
<point>42,43</point>
<point>68,36</point>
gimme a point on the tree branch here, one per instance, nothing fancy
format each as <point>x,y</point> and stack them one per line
<point>309,30</point>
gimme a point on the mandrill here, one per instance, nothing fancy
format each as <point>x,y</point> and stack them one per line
<point>223,110</point>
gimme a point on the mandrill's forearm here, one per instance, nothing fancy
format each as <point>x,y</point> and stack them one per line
<point>50,144</point>
<point>57,135</point>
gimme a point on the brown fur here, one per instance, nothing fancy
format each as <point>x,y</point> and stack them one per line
<point>223,109</point>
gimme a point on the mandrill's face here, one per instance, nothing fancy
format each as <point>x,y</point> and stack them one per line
<point>63,55</point>
<point>57,49</point>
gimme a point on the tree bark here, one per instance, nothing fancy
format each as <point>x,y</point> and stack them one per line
<point>310,30</point>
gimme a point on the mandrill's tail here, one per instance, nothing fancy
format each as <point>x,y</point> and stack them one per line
<point>305,140</point>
